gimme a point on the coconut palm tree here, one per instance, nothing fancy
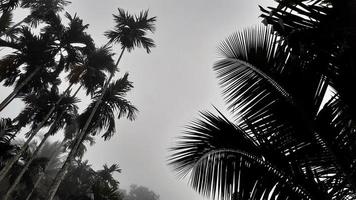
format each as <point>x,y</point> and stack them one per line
<point>130,31</point>
<point>284,143</point>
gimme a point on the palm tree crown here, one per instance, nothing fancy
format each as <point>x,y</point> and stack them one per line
<point>130,30</point>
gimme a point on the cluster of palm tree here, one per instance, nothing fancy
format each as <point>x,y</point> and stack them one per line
<point>39,66</point>
<point>82,182</point>
<point>290,88</point>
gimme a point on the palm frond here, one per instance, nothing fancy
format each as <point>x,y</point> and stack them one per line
<point>5,20</point>
<point>224,161</point>
<point>8,5</point>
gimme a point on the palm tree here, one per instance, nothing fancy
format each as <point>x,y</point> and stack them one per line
<point>39,54</point>
<point>7,130</point>
<point>284,143</point>
<point>34,52</point>
<point>39,112</point>
<point>40,10</point>
<point>67,112</point>
<point>130,32</point>
<point>33,168</point>
<point>105,186</point>
<point>90,72</point>
<point>49,157</point>
<point>8,5</point>
<point>113,101</point>
<point>54,163</point>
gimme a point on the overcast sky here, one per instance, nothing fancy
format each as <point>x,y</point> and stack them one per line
<point>171,85</point>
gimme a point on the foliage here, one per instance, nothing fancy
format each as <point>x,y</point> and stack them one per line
<point>41,52</point>
<point>285,142</point>
<point>83,182</point>
<point>139,193</point>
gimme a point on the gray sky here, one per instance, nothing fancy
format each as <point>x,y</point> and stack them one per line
<point>172,83</point>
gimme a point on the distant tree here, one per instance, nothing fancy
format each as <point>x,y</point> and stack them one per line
<point>140,193</point>
<point>82,182</point>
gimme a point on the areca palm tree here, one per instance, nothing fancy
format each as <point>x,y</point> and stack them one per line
<point>112,102</point>
<point>39,54</point>
<point>35,53</point>
<point>7,5</point>
<point>89,72</point>
<point>39,112</point>
<point>47,157</point>
<point>55,163</point>
<point>284,143</point>
<point>51,167</point>
<point>130,32</point>
<point>39,10</point>
<point>7,128</point>
<point>67,112</point>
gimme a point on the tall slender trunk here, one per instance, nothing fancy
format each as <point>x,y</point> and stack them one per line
<point>38,180</point>
<point>7,31</point>
<point>28,163</point>
<point>13,94</point>
<point>76,92</point>
<point>8,165</point>
<point>61,173</point>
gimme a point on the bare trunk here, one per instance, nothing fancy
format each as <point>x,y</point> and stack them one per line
<point>60,175</point>
<point>35,186</point>
<point>13,94</point>
<point>8,165</point>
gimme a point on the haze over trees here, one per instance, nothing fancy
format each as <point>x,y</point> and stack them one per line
<point>49,58</point>
<point>289,85</point>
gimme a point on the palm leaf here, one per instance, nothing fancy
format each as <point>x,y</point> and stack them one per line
<point>224,161</point>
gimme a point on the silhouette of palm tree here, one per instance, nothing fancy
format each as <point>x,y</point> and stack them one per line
<point>284,143</point>
<point>40,10</point>
<point>67,111</point>
<point>130,32</point>
<point>39,54</point>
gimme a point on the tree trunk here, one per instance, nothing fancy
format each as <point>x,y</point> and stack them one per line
<point>28,163</point>
<point>44,171</point>
<point>13,27</point>
<point>8,165</point>
<point>13,94</point>
<point>35,186</point>
<point>60,175</point>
